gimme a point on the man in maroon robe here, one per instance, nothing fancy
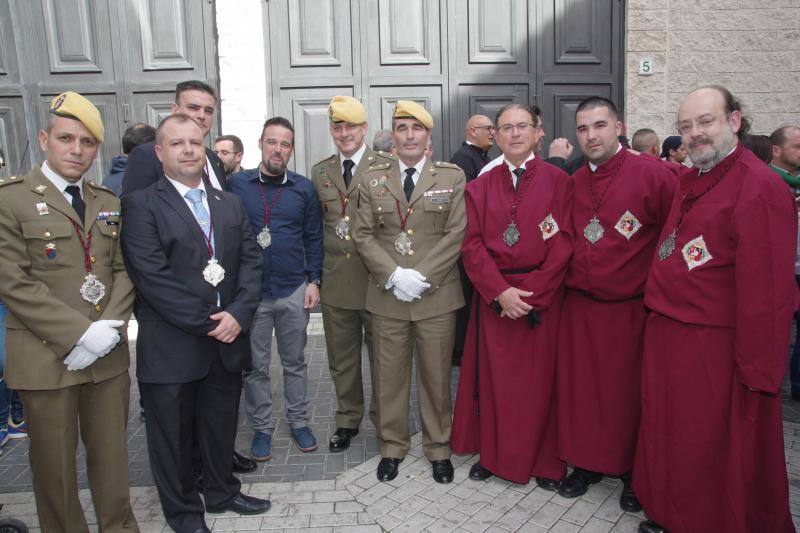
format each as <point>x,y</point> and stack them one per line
<point>516,250</point>
<point>721,292</point>
<point>621,202</point>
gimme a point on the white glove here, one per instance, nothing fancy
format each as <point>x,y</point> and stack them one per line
<point>409,281</point>
<point>79,358</point>
<point>101,336</point>
<point>403,297</point>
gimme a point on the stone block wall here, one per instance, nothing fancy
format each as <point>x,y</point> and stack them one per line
<point>753,48</point>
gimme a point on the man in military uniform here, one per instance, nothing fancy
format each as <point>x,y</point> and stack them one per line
<point>68,296</point>
<point>409,226</point>
<point>344,289</point>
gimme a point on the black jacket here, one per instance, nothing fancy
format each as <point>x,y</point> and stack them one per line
<point>144,168</point>
<point>470,159</point>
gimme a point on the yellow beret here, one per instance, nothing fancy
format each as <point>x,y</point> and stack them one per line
<point>73,105</point>
<point>409,109</point>
<point>347,109</point>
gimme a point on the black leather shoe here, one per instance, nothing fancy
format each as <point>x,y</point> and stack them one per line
<point>442,471</point>
<point>577,483</point>
<point>651,527</point>
<point>548,484</point>
<point>387,468</point>
<point>628,500</point>
<point>242,504</point>
<point>340,440</point>
<point>242,464</point>
<point>479,473</point>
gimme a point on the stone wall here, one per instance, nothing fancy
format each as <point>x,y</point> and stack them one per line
<point>753,48</point>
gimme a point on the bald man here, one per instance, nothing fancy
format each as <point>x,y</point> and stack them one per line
<point>471,156</point>
<point>645,141</point>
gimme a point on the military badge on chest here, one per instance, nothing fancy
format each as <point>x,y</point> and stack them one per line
<point>695,253</point>
<point>628,225</point>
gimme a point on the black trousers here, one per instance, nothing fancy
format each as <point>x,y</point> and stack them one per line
<point>176,412</point>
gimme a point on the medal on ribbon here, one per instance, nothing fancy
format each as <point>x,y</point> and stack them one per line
<point>402,243</point>
<point>343,229</point>
<point>511,234</point>
<point>92,290</point>
<point>213,273</point>
<point>667,247</point>
<point>593,231</point>
<point>264,238</point>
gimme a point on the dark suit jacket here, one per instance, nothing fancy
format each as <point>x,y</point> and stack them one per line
<point>470,159</point>
<point>144,168</point>
<point>165,254</point>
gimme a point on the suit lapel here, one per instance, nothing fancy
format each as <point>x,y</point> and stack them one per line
<point>52,196</point>
<point>335,174</point>
<point>170,195</point>
<point>426,180</point>
<point>395,184</point>
<point>94,204</point>
<point>366,161</point>
<point>215,206</point>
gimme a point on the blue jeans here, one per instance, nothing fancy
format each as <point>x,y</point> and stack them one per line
<point>794,362</point>
<point>10,402</point>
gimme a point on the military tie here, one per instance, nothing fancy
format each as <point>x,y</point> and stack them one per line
<point>77,201</point>
<point>348,172</point>
<point>408,183</point>
<point>518,172</point>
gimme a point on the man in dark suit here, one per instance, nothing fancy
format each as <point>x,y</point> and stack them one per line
<point>471,155</point>
<point>190,253</point>
<point>198,100</point>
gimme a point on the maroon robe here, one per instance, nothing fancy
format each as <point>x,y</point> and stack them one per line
<point>710,454</point>
<point>602,323</point>
<point>511,420</point>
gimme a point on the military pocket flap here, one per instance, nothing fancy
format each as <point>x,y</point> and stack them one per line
<point>383,207</point>
<point>109,230</point>
<point>46,230</point>
<point>327,194</point>
<point>437,203</point>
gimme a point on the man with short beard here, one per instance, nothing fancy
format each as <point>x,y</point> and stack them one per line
<point>710,452</point>
<point>285,218</point>
<point>230,150</point>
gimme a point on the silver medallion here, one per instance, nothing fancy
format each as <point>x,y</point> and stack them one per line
<point>342,229</point>
<point>92,289</point>
<point>511,235</point>
<point>213,272</point>
<point>264,239</point>
<point>593,231</point>
<point>667,247</point>
<point>402,244</point>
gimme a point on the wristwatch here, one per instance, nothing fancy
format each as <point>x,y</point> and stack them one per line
<point>317,282</point>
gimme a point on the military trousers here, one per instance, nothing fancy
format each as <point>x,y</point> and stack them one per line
<point>54,417</point>
<point>395,341</point>
<point>346,332</point>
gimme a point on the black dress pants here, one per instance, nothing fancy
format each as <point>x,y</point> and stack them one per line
<point>176,412</point>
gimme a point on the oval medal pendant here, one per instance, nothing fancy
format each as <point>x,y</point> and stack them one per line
<point>264,239</point>
<point>92,289</point>
<point>667,247</point>
<point>213,272</point>
<point>593,231</point>
<point>511,235</point>
<point>342,229</point>
<point>402,244</point>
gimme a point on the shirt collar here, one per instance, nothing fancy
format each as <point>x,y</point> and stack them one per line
<point>419,166</point>
<point>593,167</point>
<point>59,182</point>
<point>183,189</point>
<point>257,176</point>
<point>512,168</point>
<point>355,158</point>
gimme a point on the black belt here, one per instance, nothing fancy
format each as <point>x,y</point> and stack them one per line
<point>525,270</point>
<point>591,296</point>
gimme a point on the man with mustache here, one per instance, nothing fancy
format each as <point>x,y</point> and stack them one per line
<point>710,453</point>
<point>348,326</point>
<point>285,218</point>
<point>409,227</point>
<point>621,203</point>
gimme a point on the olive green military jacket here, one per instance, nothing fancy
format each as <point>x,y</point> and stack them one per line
<point>42,266</point>
<point>435,225</point>
<point>344,276</point>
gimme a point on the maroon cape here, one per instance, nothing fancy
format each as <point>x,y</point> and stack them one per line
<point>602,323</point>
<point>710,454</point>
<point>510,419</point>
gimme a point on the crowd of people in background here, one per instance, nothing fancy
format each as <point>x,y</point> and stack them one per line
<point>617,309</point>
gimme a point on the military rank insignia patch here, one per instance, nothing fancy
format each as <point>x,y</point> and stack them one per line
<point>628,225</point>
<point>695,253</point>
<point>42,209</point>
<point>548,227</point>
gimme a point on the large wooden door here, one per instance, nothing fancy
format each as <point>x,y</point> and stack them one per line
<point>456,57</point>
<point>124,55</point>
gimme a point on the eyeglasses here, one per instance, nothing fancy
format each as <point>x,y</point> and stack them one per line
<point>703,124</point>
<point>225,153</point>
<point>522,127</point>
<point>487,128</point>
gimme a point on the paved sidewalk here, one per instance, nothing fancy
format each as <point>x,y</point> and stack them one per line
<point>331,493</point>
